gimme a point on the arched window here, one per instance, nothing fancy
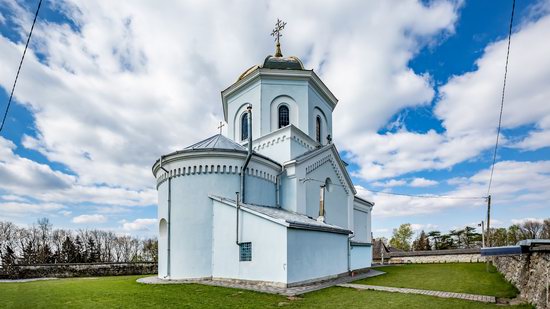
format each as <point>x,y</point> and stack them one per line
<point>244,126</point>
<point>283,116</point>
<point>318,129</point>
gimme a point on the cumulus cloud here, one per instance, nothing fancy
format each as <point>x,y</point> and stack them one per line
<point>468,108</point>
<point>516,183</point>
<point>139,225</point>
<point>422,182</point>
<point>90,219</point>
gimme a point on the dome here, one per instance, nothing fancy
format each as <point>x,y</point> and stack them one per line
<point>278,63</point>
<point>283,63</point>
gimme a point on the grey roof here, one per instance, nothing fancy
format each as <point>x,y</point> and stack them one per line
<point>217,141</point>
<point>283,63</point>
<point>292,220</point>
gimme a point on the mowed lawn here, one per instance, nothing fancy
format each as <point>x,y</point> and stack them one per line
<point>125,292</point>
<point>470,278</point>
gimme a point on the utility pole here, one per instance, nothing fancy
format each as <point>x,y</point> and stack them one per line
<point>489,221</point>
<point>482,224</point>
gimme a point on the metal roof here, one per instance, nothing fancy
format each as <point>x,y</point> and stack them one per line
<point>217,141</point>
<point>290,219</point>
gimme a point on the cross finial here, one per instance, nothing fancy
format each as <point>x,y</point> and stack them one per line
<point>221,126</point>
<point>279,26</point>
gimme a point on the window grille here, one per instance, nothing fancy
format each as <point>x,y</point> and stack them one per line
<point>245,252</point>
<point>284,116</point>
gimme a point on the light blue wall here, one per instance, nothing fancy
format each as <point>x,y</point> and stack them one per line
<point>361,257</point>
<point>313,255</point>
<point>336,199</point>
<point>268,246</point>
<point>273,88</point>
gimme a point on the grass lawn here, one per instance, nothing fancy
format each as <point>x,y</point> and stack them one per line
<point>452,277</point>
<point>125,292</point>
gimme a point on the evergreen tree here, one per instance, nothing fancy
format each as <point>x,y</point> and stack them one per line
<point>435,239</point>
<point>422,243</point>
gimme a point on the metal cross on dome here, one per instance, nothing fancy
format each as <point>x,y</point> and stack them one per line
<point>279,26</point>
<point>221,126</point>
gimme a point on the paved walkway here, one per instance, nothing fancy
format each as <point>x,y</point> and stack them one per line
<point>472,297</point>
<point>293,291</point>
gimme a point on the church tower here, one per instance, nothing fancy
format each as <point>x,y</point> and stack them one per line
<point>292,107</point>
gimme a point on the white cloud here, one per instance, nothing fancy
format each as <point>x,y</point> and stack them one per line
<point>422,182</point>
<point>390,183</point>
<point>19,209</point>
<point>468,108</point>
<point>90,219</point>
<point>523,220</point>
<point>517,184</point>
<point>139,225</point>
<point>425,227</point>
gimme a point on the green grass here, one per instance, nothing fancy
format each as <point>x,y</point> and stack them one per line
<point>125,292</point>
<point>452,277</point>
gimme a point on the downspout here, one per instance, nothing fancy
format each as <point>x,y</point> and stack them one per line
<point>349,252</point>
<point>243,172</point>
<point>169,219</point>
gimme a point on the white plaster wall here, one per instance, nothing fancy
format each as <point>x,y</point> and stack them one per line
<point>194,178</point>
<point>237,105</point>
<point>324,109</point>
<point>360,257</point>
<point>268,246</point>
<point>163,242</point>
<point>360,226</point>
<point>272,89</point>
<point>336,199</point>
<point>313,254</point>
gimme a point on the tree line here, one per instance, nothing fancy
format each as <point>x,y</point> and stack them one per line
<point>41,244</point>
<point>467,237</point>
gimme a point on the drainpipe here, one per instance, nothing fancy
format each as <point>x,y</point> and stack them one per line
<point>278,187</point>
<point>349,252</point>
<point>249,156</point>
<point>243,171</point>
<point>169,219</point>
<point>237,223</point>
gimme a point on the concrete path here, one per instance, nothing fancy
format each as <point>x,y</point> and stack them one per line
<point>292,291</point>
<point>472,297</point>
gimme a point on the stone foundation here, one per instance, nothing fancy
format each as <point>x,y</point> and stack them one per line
<point>77,270</point>
<point>529,273</point>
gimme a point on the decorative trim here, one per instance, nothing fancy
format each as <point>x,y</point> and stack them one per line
<point>328,158</point>
<point>199,169</point>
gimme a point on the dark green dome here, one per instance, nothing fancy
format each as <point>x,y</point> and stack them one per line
<point>283,63</point>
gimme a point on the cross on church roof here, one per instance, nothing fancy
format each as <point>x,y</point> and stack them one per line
<point>221,126</point>
<point>279,26</point>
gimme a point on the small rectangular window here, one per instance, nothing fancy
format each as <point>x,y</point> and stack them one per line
<point>245,252</point>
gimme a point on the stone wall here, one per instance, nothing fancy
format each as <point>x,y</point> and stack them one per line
<point>437,256</point>
<point>529,273</point>
<point>77,270</point>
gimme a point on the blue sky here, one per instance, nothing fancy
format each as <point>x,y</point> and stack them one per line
<point>106,88</point>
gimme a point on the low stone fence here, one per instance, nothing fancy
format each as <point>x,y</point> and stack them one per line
<point>437,256</point>
<point>77,270</point>
<point>529,273</point>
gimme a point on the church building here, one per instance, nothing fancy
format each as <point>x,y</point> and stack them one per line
<point>271,202</point>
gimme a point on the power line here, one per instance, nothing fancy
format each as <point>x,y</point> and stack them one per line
<point>20,64</point>
<point>502,98</point>
<point>435,196</point>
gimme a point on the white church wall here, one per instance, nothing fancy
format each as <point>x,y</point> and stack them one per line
<point>319,107</point>
<point>360,257</point>
<point>336,198</point>
<point>313,255</point>
<point>194,177</point>
<point>360,225</point>
<point>162,241</point>
<point>284,144</point>
<point>268,246</point>
<point>274,90</point>
<point>237,105</point>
